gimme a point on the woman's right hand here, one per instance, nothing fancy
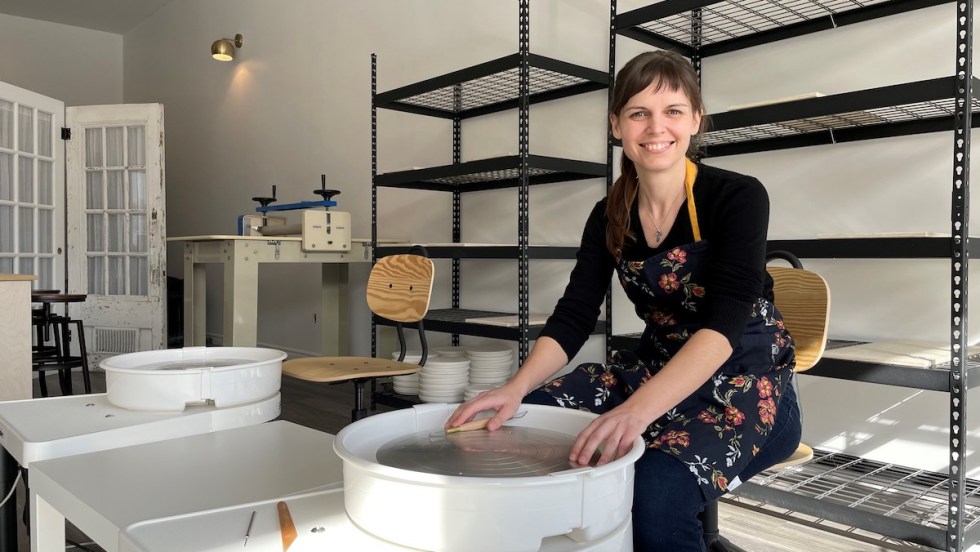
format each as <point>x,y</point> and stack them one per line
<point>504,399</point>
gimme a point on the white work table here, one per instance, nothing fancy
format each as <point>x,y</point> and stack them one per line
<point>241,256</point>
<point>223,530</point>
<point>104,493</point>
<point>43,429</point>
<point>197,494</point>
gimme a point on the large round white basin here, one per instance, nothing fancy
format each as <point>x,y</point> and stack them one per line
<point>169,380</point>
<point>446,513</point>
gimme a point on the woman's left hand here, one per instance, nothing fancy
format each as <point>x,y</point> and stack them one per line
<point>613,432</point>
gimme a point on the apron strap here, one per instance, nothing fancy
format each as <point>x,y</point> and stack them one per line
<point>690,175</point>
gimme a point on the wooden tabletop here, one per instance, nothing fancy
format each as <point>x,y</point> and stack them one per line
<point>17,277</point>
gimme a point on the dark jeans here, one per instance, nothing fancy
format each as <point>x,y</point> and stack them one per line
<point>666,496</point>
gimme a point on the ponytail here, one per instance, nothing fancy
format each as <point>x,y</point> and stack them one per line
<point>618,206</point>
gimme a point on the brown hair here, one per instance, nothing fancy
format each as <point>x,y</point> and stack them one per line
<point>668,70</point>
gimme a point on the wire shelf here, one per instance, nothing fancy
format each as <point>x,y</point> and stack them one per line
<point>889,490</point>
<point>489,176</point>
<point>493,86</point>
<point>492,89</point>
<point>737,18</point>
<point>917,111</point>
<point>493,173</point>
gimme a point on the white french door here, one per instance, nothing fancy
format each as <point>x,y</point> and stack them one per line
<point>116,226</point>
<point>32,186</point>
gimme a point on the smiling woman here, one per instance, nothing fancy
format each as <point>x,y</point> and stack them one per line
<point>708,387</point>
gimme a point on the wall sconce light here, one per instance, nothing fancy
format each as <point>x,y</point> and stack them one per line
<point>224,49</point>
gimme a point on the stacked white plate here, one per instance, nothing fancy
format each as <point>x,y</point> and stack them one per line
<point>490,364</point>
<point>474,389</point>
<point>443,379</point>
<point>450,351</point>
<point>407,385</point>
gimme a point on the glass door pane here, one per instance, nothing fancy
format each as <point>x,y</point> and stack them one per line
<point>31,197</point>
<point>116,210</point>
<point>6,124</point>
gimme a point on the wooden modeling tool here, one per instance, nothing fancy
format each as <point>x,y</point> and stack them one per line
<point>286,527</point>
<point>471,425</point>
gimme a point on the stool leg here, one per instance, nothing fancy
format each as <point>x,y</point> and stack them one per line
<point>82,351</point>
<point>39,330</point>
<point>42,382</point>
<point>64,374</point>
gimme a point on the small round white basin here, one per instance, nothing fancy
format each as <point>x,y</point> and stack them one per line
<point>169,380</point>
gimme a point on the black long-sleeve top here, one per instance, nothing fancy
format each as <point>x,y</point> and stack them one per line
<point>733,216</point>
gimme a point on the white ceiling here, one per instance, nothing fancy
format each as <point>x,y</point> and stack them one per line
<point>113,16</point>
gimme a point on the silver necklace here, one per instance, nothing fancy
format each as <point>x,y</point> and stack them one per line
<point>660,234</point>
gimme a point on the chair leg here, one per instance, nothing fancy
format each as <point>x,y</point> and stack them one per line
<point>713,540</point>
<point>709,523</point>
<point>374,393</point>
<point>722,545</point>
<point>359,411</point>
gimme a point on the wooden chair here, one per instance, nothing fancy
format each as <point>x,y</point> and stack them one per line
<point>398,289</point>
<point>803,298</point>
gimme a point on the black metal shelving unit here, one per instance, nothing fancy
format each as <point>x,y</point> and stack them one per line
<point>941,510</point>
<point>512,82</point>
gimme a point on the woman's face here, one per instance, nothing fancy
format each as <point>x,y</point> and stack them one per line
<point>656,128</point>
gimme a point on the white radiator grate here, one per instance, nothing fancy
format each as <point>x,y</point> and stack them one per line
<point>116,340</point>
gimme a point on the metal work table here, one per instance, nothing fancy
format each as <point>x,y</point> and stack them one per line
<point>241,256</point>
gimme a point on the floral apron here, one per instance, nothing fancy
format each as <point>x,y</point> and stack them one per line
<point>719,428</point>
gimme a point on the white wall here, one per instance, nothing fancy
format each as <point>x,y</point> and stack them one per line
<point>74,65</point>
<point>296,103</point>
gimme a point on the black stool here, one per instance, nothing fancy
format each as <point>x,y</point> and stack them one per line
<point>40,319</point>
<point>58,355</point>
<point>63,360</point>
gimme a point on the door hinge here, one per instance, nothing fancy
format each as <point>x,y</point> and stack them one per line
<point>65,133</point>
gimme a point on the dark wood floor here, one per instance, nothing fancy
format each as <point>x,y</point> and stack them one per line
<point>327,408</point>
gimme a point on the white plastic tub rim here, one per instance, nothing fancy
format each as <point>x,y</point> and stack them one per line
<point>443,513</point>
<point>144,381</point>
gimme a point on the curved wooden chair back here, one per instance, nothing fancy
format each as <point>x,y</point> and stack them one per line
<point>803,298</point>
<point>400,286</point>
